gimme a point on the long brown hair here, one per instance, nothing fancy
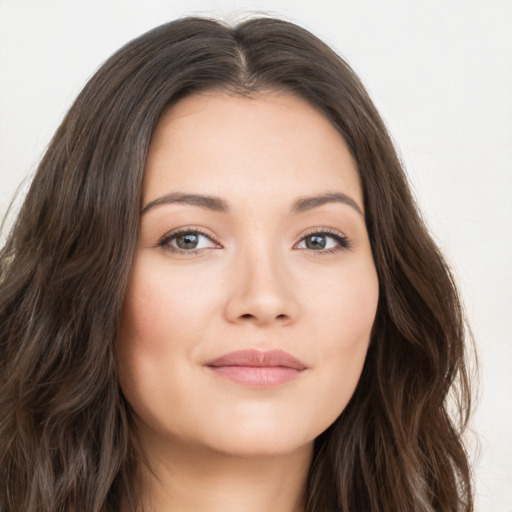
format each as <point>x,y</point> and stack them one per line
<point>67,441</point>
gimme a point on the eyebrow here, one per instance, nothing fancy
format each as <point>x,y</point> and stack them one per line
<point>217,204</point>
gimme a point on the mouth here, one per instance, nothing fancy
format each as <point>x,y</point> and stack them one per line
<point>256,369</point>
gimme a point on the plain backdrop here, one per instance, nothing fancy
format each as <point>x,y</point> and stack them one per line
<point>439,71</point>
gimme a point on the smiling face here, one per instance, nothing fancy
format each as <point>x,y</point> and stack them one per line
<point>256,265</point>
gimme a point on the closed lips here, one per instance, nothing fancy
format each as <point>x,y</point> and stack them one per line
<point>258,370</point>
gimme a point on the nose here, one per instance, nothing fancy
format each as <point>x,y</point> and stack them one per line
<point>261,291</point>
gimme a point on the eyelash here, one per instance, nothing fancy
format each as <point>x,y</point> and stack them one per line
<point>343,241</point>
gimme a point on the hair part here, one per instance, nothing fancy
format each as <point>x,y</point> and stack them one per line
<point>67,439</point>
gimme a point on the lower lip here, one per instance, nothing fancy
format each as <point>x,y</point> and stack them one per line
<point>257,377</point>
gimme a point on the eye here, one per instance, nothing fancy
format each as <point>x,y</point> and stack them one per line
<point>187,241</point>
<point>324,241</point>
<point>192,241</point>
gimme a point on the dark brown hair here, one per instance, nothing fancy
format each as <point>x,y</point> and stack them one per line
<point>67,440</point>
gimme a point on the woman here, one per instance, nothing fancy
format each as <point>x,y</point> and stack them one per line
<point>219,294</point>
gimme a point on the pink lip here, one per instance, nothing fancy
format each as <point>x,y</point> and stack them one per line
<point>257,369</point>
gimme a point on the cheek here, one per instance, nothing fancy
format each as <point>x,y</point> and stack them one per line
<point>164,316</point>
<point>347,312</point>
<point>163,309</point>
<point>346,321</point>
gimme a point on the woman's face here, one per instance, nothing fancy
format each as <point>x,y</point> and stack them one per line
<point>252,239</point>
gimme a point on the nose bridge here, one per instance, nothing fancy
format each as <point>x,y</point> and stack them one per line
<point>261,289</point>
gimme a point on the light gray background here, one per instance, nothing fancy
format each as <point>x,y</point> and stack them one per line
<point>440,71</point>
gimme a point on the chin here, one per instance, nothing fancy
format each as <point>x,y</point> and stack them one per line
<point>260,445</point>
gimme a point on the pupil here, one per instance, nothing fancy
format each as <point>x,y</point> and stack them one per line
<point>188,241</point>
<point>315,242</point>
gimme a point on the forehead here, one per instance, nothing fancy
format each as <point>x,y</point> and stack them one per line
<point>269,146</point>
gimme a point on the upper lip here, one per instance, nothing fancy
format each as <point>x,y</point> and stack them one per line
<point>257,358</point>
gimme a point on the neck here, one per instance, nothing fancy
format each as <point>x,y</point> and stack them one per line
<point>203,480</point>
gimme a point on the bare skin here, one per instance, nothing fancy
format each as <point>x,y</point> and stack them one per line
<point>256,274</point>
